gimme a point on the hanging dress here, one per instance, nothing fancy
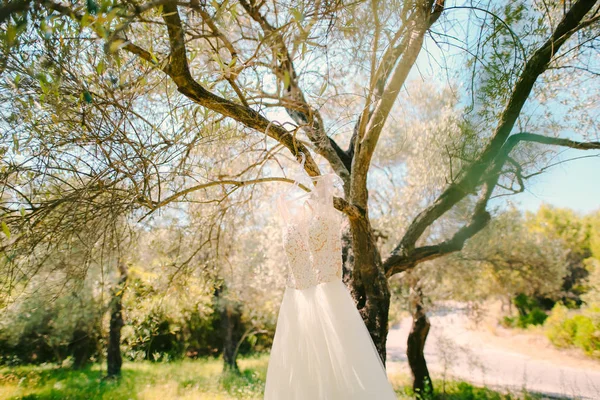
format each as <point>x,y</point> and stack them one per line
<point>322,349</point>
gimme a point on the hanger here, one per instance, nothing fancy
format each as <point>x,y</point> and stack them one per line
<point>286,194</point>
<point>283,197</point>
<point>296,181</point>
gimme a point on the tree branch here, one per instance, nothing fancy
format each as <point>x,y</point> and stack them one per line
<point>388,82</point>
<point>554,141</point>
<point>13,7</point>
<point>237,183</point>
<point>399,262</point>
<point>396,263</point>
<point>301,112</point>
<point>178,69</point>
<point>339,203</point>
<point>473,175</point>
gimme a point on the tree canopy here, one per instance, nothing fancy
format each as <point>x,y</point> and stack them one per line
<point>114,111</point>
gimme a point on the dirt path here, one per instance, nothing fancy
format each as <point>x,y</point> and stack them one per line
<point>512,360</point>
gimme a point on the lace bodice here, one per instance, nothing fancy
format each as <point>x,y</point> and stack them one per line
<point>311,237</point>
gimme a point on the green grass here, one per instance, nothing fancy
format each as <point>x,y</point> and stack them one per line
<point>188,379</point>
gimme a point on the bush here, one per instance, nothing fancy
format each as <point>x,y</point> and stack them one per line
<point>579,329</point>
<point>535,317</point>
<point>587,336</point>
<point>165,328</point>
<point>530,313</point>
<point>559,333</point>
<point>38,330</point>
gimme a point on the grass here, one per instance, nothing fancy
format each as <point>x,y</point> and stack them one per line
<point>187,379</point>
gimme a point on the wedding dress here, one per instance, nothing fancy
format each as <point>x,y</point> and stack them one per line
<point>322,349</point>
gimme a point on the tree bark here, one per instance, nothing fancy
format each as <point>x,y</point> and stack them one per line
<point>422,385</point>
<point>114,360</point>
<point>230,319</point>
<point>80,348</point>
<point>368,283</point>
<point>231,322</point>
<point>347,260</point>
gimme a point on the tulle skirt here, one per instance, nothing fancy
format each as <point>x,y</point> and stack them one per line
<point>322,349</point>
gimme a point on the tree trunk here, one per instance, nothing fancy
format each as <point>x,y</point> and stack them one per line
<point>231,321</point>
<point>367,282</point>
<point>114,360</point>
<point>80,348</point>
<point>348,263</point>
<point>422,384</point>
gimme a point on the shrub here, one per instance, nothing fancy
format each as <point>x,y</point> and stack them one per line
<point>530,313</point>
<point>37,329</point>
<point>579,329</point>
<point>535,317</point>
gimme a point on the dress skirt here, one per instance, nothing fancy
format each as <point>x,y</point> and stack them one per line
<point>322,349</point>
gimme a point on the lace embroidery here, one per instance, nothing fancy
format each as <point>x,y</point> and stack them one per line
<point>313,244</point>
<point>300,275</point>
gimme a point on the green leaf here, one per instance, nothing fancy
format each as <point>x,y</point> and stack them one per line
<point>11,34</point>
<point>92,7</point>
<point>323,88</point>
<point>85,20</point>
<point>16,142</point>
<point>112,14</point>
<point>286,79</point>
<point>5,230</point>
<point>114,46</point>
<point>100,68</point>
<point>297,14</point>
<point>102,32</point>
<point>87,97</point>
<point>217,58</point>
<point>22,210</point>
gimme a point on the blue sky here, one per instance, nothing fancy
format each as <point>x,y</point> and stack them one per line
<point>574,184</point>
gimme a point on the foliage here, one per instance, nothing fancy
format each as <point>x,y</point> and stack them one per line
<point>505,260</point>
<point>466,391</point>
<point>165,323</point>
<point>170,309</point>
<point>178,300</point>
<point>577,235</point>
<point>90,112</point>
<point>592,297</point>
<point>530,312</point>
<point>50,326</point>
<point>567,328</point>
<point>162,113</point>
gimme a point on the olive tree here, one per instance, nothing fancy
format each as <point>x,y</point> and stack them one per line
<point>142,98</point>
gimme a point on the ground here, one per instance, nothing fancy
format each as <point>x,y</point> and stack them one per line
<point>487,354</point>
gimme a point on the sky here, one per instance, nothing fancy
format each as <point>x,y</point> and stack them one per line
<point>574,184</point>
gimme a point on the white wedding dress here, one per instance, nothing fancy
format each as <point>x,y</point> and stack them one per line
<point>322,349</point>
